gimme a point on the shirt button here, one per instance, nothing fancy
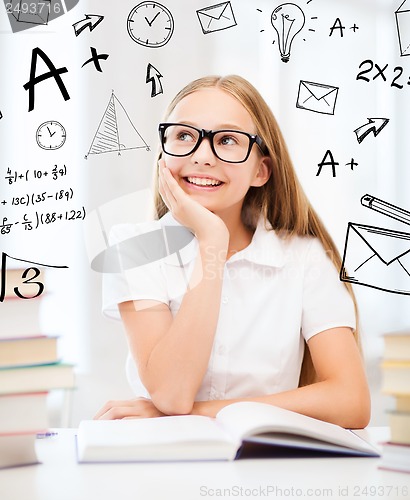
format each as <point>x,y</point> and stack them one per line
<point>225,299</point>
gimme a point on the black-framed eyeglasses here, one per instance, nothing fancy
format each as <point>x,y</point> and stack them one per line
<point>232,146</point>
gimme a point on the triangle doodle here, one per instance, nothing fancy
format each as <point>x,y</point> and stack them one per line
<point>116,132</point>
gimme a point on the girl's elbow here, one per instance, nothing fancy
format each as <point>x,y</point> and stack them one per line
<point>357,410</point>
<point>363,413</point>
<point>172,404</point>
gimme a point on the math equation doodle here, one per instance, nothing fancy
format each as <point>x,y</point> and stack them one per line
<point>116,132</point>
<point>30,286</point>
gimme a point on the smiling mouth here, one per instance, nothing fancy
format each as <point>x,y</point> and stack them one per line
<point>203,181</point>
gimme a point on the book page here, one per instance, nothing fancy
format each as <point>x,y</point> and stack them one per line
<point>247,419</point>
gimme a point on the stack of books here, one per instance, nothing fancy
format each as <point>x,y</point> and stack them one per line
<point>29,369</point>
<point>396,382</point>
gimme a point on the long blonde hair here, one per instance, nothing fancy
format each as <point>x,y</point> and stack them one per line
<point>281,200</point>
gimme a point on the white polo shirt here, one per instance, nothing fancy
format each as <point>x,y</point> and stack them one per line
<point>276,293</point>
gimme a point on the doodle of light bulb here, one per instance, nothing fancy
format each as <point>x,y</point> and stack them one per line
<point>287,19</point>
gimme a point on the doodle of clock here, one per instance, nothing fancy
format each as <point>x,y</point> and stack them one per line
<point>51,135</point>
<point>150,24</point>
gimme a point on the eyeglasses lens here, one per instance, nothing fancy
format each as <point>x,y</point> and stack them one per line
<point>230,146</point>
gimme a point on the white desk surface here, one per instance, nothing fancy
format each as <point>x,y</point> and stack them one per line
<point>60,477</point>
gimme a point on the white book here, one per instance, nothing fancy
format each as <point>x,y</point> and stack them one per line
<point>191,437</point>
<point>23,413</point>
<point>17,450</point>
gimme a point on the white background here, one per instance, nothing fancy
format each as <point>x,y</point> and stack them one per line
<point>110,183</point>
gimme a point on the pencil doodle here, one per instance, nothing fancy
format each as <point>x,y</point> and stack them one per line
<point>1,115</point>
<point>26,14</point>
<point>385,208</point>
<point>51,135</point>
<point>95,58</point>
<point>116,132</point>
<point>375,125</point>
<point>403,27</point>
<point>153,77</point>
<point>288,20</point>
<point>377,257</point>
<point>90,21</point>
<point>216,17</point>
<point>317,97</point>
<point>150,24</point>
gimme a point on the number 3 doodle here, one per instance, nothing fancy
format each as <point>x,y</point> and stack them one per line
<point>26,278</point>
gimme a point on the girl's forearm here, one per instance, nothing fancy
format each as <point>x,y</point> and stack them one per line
<point>331,401</point>
<point>178,362</point>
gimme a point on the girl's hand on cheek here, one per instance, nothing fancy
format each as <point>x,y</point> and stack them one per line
<point>186,210</point>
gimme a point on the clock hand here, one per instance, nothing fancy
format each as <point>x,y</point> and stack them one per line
<point>150,23</point>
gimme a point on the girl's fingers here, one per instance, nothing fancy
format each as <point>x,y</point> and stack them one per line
<point>132,408</point>
<point>169,185</point>
<point>162,193</point>
<point>109,406</point>
<point>120,412</point>
<point>162,185</point>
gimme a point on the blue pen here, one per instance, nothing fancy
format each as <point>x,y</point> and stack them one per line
<point>44,435</point>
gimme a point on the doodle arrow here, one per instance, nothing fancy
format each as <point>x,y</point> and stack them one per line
<point>375,125</point>
<point>153,76</point>
<point>91,21</point>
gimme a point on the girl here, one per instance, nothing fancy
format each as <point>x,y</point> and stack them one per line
<point>263,291</point>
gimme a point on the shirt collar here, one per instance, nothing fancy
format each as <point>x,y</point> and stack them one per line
<point>265,248</point>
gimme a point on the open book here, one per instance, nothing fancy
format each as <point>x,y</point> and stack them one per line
<point>190,437</point>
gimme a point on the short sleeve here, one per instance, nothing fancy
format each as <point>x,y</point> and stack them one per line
<point>326,301</point>
<point>135,282</point>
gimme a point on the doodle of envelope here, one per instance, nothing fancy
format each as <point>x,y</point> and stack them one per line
<point>216,17</point>
<point>377,258</point>
<point>317,97</point>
